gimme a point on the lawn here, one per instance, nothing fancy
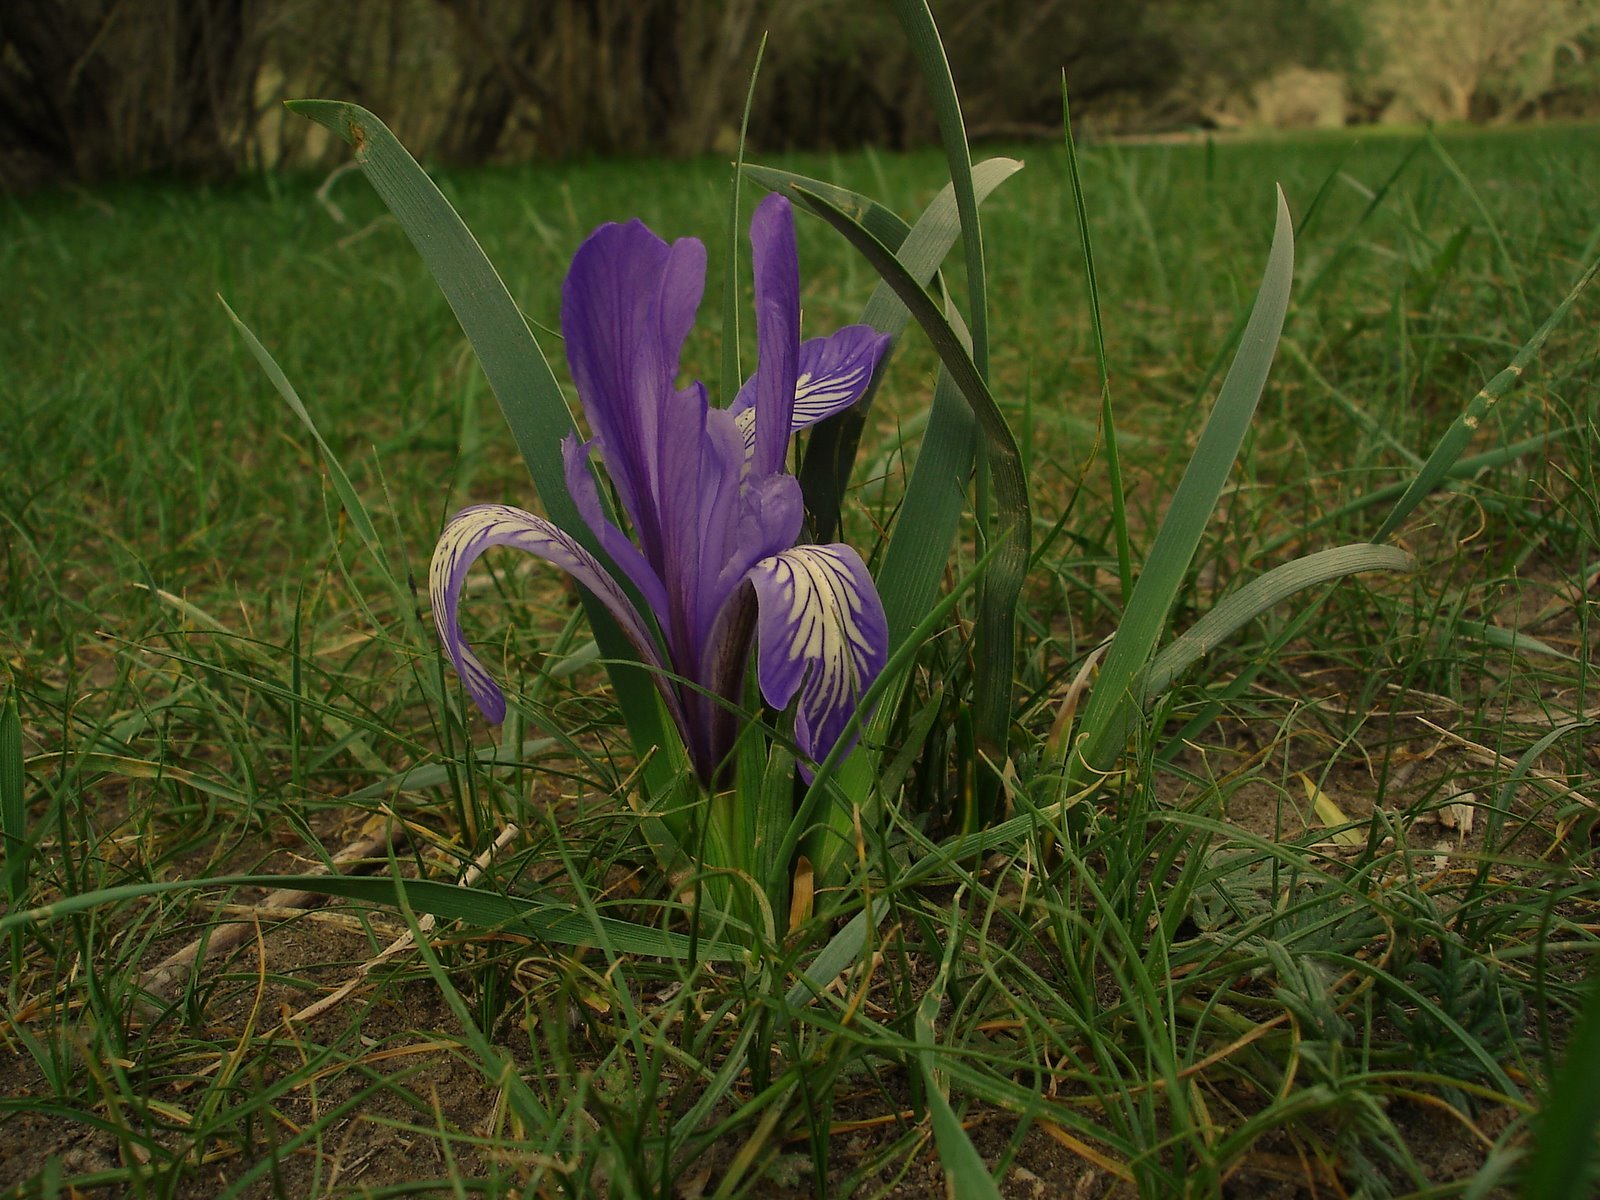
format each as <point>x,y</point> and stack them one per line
<point>1322,933</point>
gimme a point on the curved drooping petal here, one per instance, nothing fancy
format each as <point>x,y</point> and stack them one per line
<point>822,633</point>
<point>474,530</point>
<point>627,304</point>
<point>777,278</point>
<point>834,372</point>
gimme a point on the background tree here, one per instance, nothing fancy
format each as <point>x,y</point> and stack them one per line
<point>97,88</point>
<point>93,87</point>
<point>1458,59</point>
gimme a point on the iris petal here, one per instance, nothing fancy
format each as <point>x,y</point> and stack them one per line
<point>822,634</point>
<point>777,278</point>
<point>476,529</point>
<point>834,372</point>
<point>627,304</point>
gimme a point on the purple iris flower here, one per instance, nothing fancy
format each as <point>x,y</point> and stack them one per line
<point>714,511</point>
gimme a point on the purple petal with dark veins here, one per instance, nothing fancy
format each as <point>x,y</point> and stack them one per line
<point>834,372</point>
<point>822,633</point>
<point>474,530</point>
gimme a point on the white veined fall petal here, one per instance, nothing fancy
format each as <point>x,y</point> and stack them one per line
<point>822,633</point>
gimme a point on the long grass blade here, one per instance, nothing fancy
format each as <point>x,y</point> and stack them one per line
<point>872,701</point>
<point>360,519</point>
<point>830,453</point>
<point>1115,698</point>
<point>994,665</point>
<point>493,1064</point>
<point>1239,608</point>
<point>908,580</point>
<point>1564,1158</point>
<point>13,808</point>
<point>1462,468</point>
<point>1108,424</point>
<point>556,924</point>
<point>515,366</point>
<point>15,848</point>
<point>917,21</point>
<point>1465,427</point>
<point>964,1171</point>
<point>917,551</point>
<point>842,950</point>
<point>1508,262</point>
<point>732,376</point>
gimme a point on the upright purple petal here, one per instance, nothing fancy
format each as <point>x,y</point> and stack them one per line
<point>723,503</point>
<point>777,280</point>
<point>474,530</point>
<point>627,304</point>
<point>822,633</point>
<point>683,451</point>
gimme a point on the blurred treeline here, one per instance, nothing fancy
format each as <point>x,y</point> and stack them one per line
<point>98,88</point>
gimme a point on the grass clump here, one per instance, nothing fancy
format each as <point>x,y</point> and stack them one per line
<point>1322,930</point>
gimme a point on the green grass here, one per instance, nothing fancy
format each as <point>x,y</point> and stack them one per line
<point>1191,984</point>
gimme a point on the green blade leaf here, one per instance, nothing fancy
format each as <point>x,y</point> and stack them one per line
<point>491,1062</point>
<point>557,924</point>
<point>886,224</point>
<point>914,560</point>
<point>1239,608</point>
<point>516,367</point>
<point>13,808</point>
<point>1108,425</point>
<point>731,374</point>
<point>1002,583</point>
<point>1564,1153</point>
<point>872,701</point>
<point>1115,698</point>
<point>994,665</point>
<point>843,950</point>
<point>928,50</point>
<point>360,519</point>
<point>831,448</point>
<point>1463,468</point>
<point>964,1171</point>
